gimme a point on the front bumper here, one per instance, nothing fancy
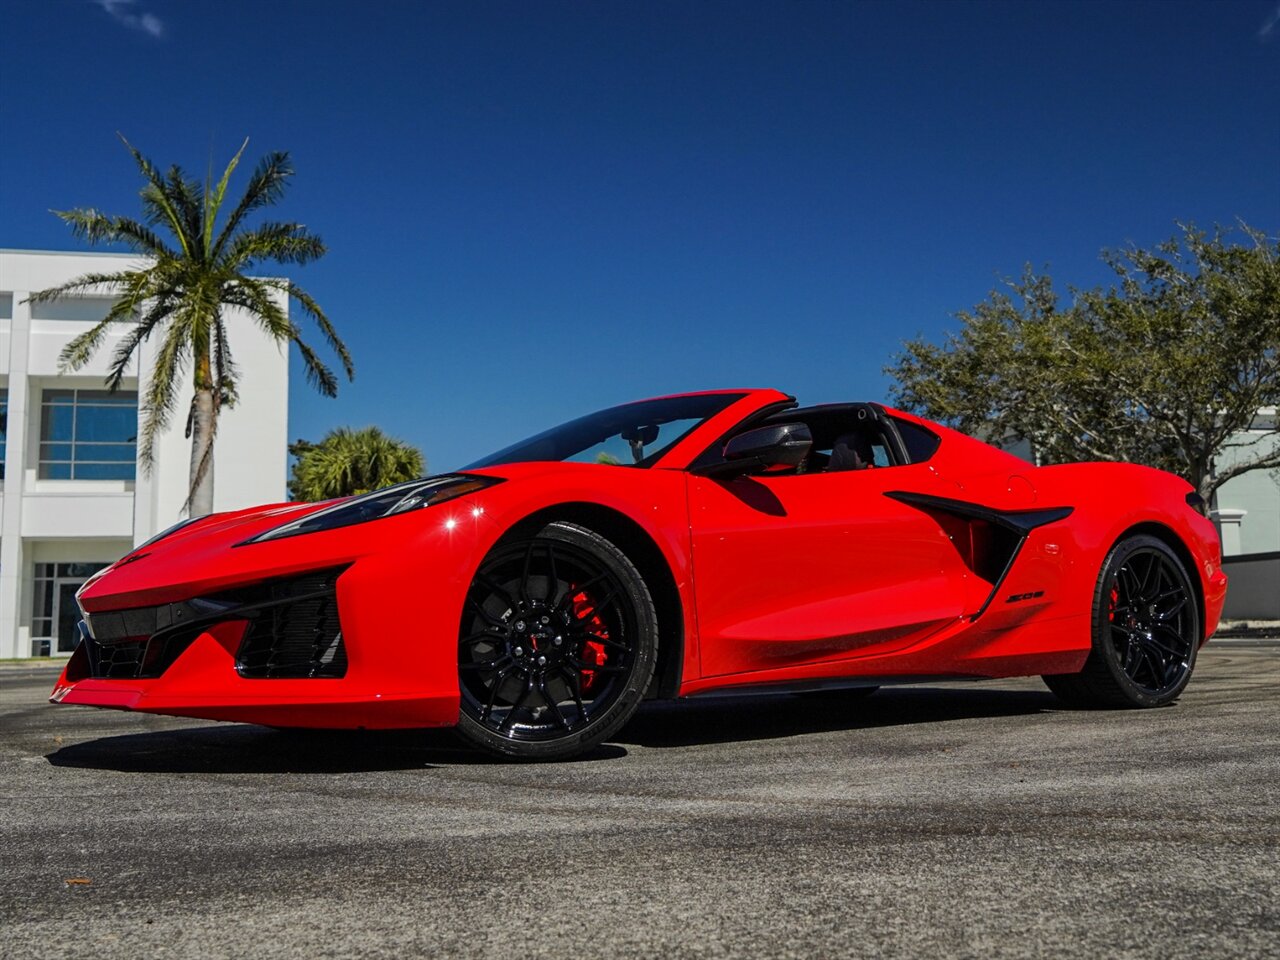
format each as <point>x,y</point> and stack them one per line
<point>221,635</point>
<point>203,683</point>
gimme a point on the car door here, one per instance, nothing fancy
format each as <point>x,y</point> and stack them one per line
<point>809,568</point>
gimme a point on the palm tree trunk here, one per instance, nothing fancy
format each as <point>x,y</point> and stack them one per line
<point>200,482</point>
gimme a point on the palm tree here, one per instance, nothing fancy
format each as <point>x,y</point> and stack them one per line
<point>349,462</point>
<point>192,277</point>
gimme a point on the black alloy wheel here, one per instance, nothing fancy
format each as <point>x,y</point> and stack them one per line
<point>557,645</point>
<point>1146,631</point>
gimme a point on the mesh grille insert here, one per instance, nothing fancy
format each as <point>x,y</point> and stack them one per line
<point>298,635</point>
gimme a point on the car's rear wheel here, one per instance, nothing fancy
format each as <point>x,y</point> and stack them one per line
<point>557,645</point>
<point>1146,631</point>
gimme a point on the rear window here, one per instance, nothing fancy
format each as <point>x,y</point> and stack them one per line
<point>921,444</point>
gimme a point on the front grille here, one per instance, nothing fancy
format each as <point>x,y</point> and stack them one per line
<point>292,630</point>
<point>298,635</point>
<point>130,657</point>
<point>120,659</point>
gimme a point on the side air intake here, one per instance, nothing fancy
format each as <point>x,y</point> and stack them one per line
<point>988,540</point>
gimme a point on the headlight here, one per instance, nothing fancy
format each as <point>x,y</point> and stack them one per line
<point>401,498</point>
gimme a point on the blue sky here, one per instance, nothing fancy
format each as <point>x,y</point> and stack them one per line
<point>537,209</point>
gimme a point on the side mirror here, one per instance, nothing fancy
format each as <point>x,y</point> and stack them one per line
<point>780,445</point>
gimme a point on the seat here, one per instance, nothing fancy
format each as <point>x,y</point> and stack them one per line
<point>851,451</point>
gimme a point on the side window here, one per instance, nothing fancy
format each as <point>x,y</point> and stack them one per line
<point>921,444</point>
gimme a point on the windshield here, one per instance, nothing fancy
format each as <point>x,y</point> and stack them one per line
<point>632,435</point>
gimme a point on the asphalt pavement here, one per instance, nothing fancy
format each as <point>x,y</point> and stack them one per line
<point>963,820</point>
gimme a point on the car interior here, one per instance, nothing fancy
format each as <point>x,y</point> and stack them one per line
<point>855,436</point>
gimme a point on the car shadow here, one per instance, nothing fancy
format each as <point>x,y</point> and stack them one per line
<point>244,748</point>
<point>684,723</point>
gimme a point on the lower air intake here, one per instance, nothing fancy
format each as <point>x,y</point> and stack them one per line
<point>295,633</point>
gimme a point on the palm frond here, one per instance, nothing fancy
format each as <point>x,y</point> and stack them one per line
<point>253,296</point>
<point>160,309</point>
<point>96,227</point>
<point>97,283</point>
<point>213,198</point>
<point>312,309</point>
<point>282,242</point>
<point>318,374</point>
<point>184,194</point>
<point>155,201</point>
<point>265,188</point>
<point>165,375</point>
<point>80,350</point>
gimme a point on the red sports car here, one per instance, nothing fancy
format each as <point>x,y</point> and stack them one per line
<point>679,547</point>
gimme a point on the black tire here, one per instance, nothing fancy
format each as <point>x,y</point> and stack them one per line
<point>1146,631</point>
<point>557,645</point>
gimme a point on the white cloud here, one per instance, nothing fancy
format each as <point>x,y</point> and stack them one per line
<point>1269,27</point>
<point>123,13</point>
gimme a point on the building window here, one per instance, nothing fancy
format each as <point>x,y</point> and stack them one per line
<point>88,435</point>
<point>54,614</point>
<point>4,428</point>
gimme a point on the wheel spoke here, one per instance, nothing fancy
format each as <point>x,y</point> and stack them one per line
<point>581,588</point>
<point>1130,654</point>
<point>499,591</point>
<point>575,688</point>
<point>496,664</point>
<point>1143,657</point>
<point>602,668</point>
<point>589,637</point>
<point>553,582</point>
<point>1154,644</point>
<point>498,681</point>
<point>1127,583</point>
<point>552,705</point>
<point>1151,579</point>
<point>598,606</point>
<point>524,574</point>
<point>610,642</point>
<point>482,635</point>
<point>479,608</point>
<point>509,720</point>
<point>1177,637</point>
<point>1160,663</point>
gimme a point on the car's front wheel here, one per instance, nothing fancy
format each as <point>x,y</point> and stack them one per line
<point>557,645</point>
<point>1146,631</point>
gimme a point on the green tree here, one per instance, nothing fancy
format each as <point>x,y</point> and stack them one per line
<point>1165,367</point>
<point>193,274</point>
<point>349,462</point>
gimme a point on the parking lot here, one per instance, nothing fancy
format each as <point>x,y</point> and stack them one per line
<point>965,820</point>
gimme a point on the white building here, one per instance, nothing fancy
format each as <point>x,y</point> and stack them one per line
<point>72,495</point>
<point>1248,507</point>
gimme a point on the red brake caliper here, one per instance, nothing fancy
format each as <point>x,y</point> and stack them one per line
<point>593,653</point>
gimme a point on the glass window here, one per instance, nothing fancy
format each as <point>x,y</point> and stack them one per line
<point>4,428</point>
<point>920,443</point>
<point>54,613</point>
<point>632,435</point>
<point>88,435</point>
